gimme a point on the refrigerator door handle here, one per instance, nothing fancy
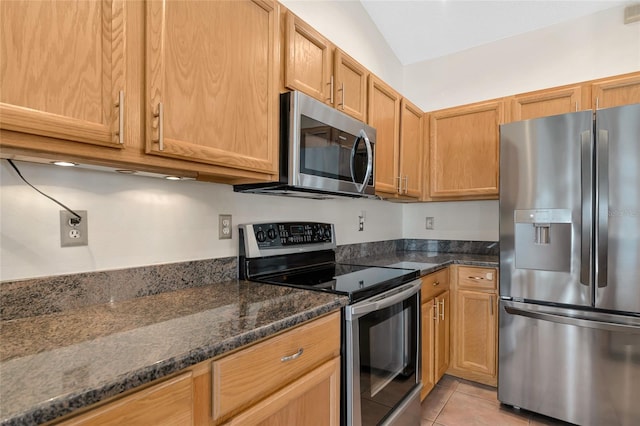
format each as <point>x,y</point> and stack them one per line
<point>587,203</point>
<point>602,211</point>
<point>573,320</point>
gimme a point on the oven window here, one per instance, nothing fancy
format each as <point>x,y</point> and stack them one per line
<point>326,152</point>
<point>388,358</point>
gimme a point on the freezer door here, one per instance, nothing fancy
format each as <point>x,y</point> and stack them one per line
<point>571,365</point>
<point>546,209</point>
<point>617,220</point>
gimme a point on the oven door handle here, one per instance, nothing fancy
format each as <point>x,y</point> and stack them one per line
<point>382,301</point>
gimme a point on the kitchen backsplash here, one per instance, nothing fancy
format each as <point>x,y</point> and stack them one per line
<point>41,296</point>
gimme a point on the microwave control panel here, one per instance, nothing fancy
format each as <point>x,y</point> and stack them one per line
<point>288,234</point>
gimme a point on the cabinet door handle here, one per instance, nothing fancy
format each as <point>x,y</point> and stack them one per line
<point>476,278</point>
<point>442,313</point>
<point>406,184</point>
<point>160,116</point>
<point>292,357</point>
<point>436,283</point>
<point>399,187</point>
<point>435,309</point>
<point>330,84</point>
<point>120,106</point>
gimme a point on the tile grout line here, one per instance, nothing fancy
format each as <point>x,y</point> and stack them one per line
<point>454,390</point>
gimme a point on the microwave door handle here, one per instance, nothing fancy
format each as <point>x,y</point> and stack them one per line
<point>362,136</point>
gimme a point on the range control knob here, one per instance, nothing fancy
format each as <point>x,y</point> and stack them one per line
<point>260,236</point>
<point>271,233</point>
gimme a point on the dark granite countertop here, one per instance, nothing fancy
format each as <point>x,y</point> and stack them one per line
<point>427,262</point>
<point>53,364</point>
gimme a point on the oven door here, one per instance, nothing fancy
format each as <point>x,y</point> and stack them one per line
<point>382,352</point>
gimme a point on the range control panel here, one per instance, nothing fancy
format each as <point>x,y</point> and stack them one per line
<point>288,234</point>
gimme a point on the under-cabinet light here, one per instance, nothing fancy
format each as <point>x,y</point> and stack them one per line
<point>64,163</point>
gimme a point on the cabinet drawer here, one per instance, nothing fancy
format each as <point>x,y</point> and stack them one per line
<point>167,403</point>
<point>477,278</point>
<point>247,376</point>
<point>434,284</point>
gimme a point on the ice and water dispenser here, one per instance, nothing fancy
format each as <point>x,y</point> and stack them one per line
<point>543,239</point>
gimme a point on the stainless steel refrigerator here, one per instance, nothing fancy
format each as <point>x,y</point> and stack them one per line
<point>569,339</point>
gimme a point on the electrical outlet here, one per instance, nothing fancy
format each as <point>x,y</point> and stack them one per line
<point>224,226</point>
<point>72,232</point>
<point>430,222</point>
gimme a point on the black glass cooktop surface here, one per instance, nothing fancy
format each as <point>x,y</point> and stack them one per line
<point>356,281</point>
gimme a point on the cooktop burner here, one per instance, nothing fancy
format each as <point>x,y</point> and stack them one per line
<point>355,281</point>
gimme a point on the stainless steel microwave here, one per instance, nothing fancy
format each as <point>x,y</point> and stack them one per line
<point>323,152</point>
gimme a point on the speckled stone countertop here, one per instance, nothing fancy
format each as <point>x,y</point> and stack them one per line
<point>430,261</point>
<point>53,364</point>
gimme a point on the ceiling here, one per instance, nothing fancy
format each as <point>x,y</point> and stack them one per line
<point>419,30</point>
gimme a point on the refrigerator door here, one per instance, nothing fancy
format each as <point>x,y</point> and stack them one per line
<point>576,366</point>
<point>545,176</point>
<point>617,220</point>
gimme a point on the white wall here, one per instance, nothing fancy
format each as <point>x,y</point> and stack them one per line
<point>594,46</point>
<point>461,220</point>
<point>348,25</point>
<point>135,221</point>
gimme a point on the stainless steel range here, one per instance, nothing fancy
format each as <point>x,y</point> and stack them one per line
<point>380,339</point>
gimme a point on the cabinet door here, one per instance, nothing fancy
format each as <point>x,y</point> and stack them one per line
<point>350,86</point>
<point>384,116</point>
<point>63,69</point>
<point>428,347</point>
<point>411,150</point>
<point>476,332</point>
<point>167,403</point>
<point>549,102</point>
<point>464,151</point>
<point>442,356</point>
<point>212,80</point>
<point>313,399</point>
<point>617,91</point>
<point>307,60</point>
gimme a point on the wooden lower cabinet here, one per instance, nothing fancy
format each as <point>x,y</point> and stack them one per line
<point>435,304</point>
<point>311,400</point>
<point>475,324</point>
<point>291,378</point>
<point>169,403</point>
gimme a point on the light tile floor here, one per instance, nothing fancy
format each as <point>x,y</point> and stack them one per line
<point>458,402</point>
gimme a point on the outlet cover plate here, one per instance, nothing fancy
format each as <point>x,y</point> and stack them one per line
<point>74,235</point>
<point>224,226</point>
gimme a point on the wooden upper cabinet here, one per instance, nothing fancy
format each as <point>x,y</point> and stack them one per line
<point>307,59</point>
<point>411,149</point>
<point>544,103</point>
<point>464,151</point>
<point>212,82</point>
<point>350,86</point>
<point>384,116</point>
<point>63,69</point>
<point>616,91</point>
